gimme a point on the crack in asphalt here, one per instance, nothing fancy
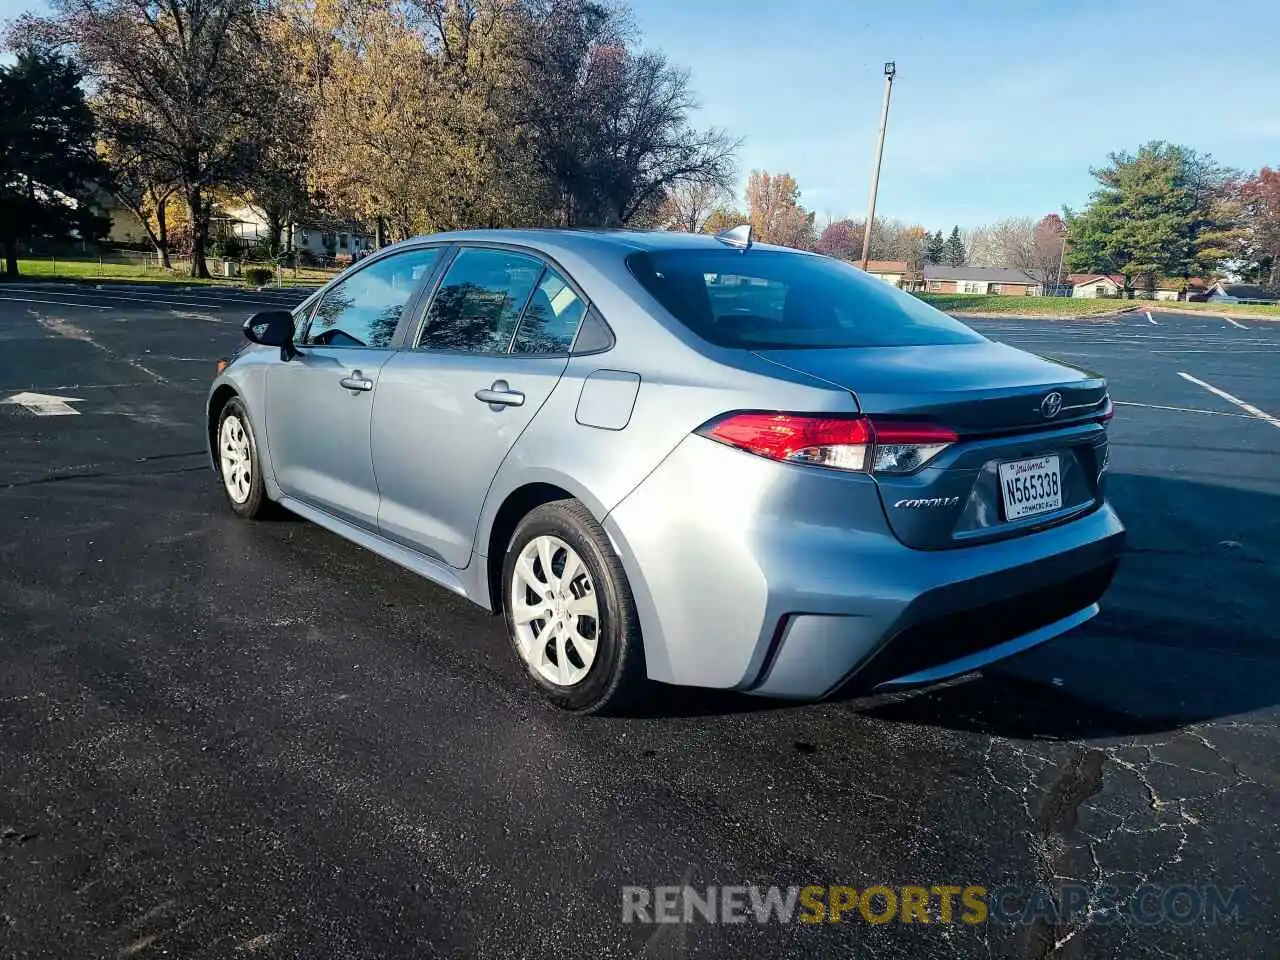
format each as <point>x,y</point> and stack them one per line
<point>1070,854</point>
<point>64,473</point>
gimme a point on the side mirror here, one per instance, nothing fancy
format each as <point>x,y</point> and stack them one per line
<point>272,328</point>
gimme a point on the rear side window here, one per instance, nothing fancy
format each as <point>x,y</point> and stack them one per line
<point>479,302</point>
<point>769,299</point>
<point>551,319</point>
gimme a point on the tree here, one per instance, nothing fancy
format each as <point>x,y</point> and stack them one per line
<point>1165,211</point>
<point>724,218</point>
<point>605,124</point>
<point>688,204</point>
<point>954,252</point>
<point>1035,248</point>
<point>180,83</point>
<point>145,188</point>
<point>49,168</point>
<point>773,204</point>
<point>841,239</point>
<point>1260,217</point>
<point>935,248</point>
<point>981,247</point>
<point>523,111</point>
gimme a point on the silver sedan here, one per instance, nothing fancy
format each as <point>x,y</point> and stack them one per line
<point>688,459</point>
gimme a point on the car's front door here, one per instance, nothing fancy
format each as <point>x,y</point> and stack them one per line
<point>318,403</point>
<point>494,343</point>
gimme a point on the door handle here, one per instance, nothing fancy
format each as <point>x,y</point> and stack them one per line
<point>500,395</point>
<point>356,381</point>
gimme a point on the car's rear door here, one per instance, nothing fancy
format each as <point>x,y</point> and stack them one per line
<point>494,342</point>
<point>318,403</point>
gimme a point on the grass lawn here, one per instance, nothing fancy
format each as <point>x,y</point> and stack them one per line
<point>48,269</point>
<point>1262,310</point>
<point>1037,307</point>
<point>962,303</point>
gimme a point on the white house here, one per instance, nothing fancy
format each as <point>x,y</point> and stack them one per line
<point>323,237</point>
<point>892,272</point>
<point>1092,285</point>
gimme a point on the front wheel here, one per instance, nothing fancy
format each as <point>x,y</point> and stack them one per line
<point>239,463</point>
<point>570,613</point>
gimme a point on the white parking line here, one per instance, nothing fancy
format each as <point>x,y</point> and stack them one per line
<point>1161,406</point>
<point>1234,324</point>
<point>207,300</point>
<point>57,303</point>
<point>1151,319</point>
<point>1246,407</point>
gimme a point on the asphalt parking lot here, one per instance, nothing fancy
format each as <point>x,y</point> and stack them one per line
<point>224,739</point>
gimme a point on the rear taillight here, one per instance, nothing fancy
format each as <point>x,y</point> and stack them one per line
<point>842,443</point>
<point>1108,411</point>
<point>906,447</point>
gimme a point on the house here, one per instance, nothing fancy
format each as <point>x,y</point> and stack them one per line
<point>1005,281</point>
<point>1176,288</point>
<point>1225,292</point>
<point>322,236</point>
<point>1095,284</point>
<point>1112,285</point>
<point>892,272</point>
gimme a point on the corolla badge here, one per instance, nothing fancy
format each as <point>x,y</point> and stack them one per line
<point>1051,405</point>
<point>919,504</point>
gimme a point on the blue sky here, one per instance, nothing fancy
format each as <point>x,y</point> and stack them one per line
<point>999,108</point>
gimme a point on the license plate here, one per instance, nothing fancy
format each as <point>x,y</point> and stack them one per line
<point>1029,487</point>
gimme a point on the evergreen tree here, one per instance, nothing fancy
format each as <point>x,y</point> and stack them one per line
<point>1166,211</point>
<point>954,254</point>
<point>49,168</point>
<point>935,248</point>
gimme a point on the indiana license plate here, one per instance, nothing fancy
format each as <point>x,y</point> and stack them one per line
<point>1029,487</point>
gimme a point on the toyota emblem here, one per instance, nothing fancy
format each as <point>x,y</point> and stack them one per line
<point>1051,405</point>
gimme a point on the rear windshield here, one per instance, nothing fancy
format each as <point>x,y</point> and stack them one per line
<point>773,299</point>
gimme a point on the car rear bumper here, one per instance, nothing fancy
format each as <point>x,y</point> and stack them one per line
<point>786,581</point>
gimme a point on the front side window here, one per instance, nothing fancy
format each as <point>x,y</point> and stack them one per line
<point>364,309</point>
<point>551,318</point>
<point>478,305</point>
<point>758,299</point>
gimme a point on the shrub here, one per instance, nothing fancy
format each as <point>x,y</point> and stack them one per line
<point>259,276</point>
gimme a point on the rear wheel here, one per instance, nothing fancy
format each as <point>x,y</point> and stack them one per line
<point>570,613</point>
<point>239,463</point>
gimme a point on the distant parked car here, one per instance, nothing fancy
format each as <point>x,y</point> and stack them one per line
<point>681,458</point>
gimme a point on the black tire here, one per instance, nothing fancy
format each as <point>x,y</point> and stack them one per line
<point>616,678</point>
<point>256,504</point>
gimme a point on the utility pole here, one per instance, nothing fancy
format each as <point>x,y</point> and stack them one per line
<point>1062,257</point>
<point>889,70</point>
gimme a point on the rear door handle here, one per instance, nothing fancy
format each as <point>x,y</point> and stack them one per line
<point>356,381</point>
<point>500,395</point>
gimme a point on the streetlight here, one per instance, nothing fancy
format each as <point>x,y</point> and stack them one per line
<point>890,69</point>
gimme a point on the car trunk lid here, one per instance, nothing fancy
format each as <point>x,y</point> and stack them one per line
<point>1004,405</point>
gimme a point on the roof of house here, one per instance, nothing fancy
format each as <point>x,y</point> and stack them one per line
<point>938,271</point>
<point>1076,279</point>
<point>884,266</point>
<point>1246,291</point>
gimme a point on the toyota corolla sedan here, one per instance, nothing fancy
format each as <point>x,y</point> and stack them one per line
<point>688,459</point>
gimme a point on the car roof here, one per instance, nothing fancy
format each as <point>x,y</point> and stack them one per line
<point>598,240</point>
